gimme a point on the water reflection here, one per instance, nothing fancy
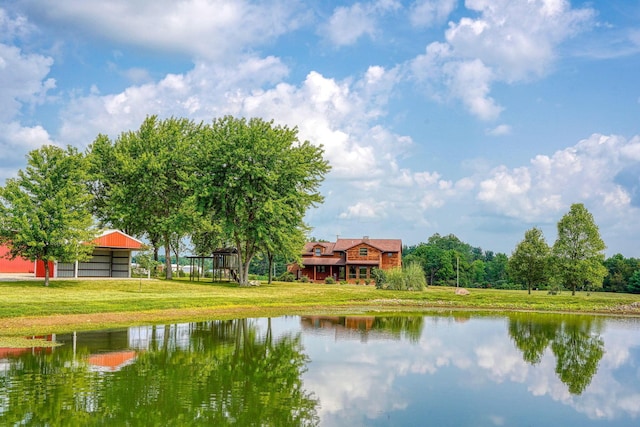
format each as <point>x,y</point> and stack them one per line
<point>213,373</point>
<point>458,369</point>
<point>575,342</point>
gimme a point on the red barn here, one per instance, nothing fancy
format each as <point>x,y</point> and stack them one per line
<point>111,258</point>
<point>18,265</point>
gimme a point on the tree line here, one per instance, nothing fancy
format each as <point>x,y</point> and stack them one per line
<point>232,182</point>
<point>575,261</point>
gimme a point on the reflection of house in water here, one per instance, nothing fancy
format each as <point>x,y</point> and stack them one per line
<point>345,327</point>
<point>112,361</point>
<point>8,353</point>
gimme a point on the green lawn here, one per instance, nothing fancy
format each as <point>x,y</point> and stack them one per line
<point>29,308</point>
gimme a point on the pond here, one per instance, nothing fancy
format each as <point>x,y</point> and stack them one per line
<point>456,369</point>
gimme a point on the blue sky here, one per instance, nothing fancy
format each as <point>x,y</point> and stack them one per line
<point>481,118</point>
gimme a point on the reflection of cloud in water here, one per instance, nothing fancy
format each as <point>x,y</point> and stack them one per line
<point>605,398</point>
<point>349,389</point>
<point>354,378</point>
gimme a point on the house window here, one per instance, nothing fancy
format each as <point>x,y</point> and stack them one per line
<point>352,272</point>
<point>363,272</point>
<point>320,269</point>
<point>318,251</point>
<point>364,251</point>
<point>389,254</point>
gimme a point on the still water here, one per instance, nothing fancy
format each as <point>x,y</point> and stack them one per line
<point>457,369</point>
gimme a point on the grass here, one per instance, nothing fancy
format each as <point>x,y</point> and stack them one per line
<point>28,308</point>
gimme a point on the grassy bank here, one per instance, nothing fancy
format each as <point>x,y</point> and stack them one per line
<point>28,308</point>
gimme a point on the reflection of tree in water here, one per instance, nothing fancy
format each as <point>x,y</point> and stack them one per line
<point>408,326</point>
<point>578,353</point>
<point>532,334</point>
<point>575,342</point>
<point>227,374</point>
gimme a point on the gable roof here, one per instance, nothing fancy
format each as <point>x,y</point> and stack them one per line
<point>117,239</point>
<point>342,245</point>
<point>384,245</point>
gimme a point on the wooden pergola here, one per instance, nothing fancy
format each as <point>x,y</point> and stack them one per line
<point>224,265</point>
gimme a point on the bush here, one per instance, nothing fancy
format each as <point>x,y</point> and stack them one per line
<point>367,281</point>
<point>330,281</point>
<point>287,276</point>
<point>411,278</point>
<point>304,279</point>
<point>379,277</point>
<point>343,282</point>
<point>414,277</point>
<point>395,279</point>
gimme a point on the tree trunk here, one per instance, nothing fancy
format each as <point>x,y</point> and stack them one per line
<point>167,258</point>
<point>154,243</point>
<point>46,273</point>
<point>270,259</point>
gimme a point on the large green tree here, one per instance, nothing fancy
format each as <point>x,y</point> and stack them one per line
<point>45,212</point>
<point>141,181</point>
<point>257,180</point>
<point>579,249</point>
<point>529,262</point>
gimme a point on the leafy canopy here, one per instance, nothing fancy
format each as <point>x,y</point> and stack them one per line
<point>45,211</point>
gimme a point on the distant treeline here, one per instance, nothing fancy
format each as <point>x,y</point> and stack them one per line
<point>447,258</point>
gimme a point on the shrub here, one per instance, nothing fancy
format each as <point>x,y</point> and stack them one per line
<point>367,281</point>
<point>304,279</point>
<point>329,280</point>
<point>379,277</point>
<point>414,277</point>
<point>287,276</point>
<point>395,279</point>
<point>343,282</point>
<point>357,281</point>
<point>411,278</point>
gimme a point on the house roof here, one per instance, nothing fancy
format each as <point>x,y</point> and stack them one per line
<point>323,260</point>
<point>341,245</point>
<point>117,239</point>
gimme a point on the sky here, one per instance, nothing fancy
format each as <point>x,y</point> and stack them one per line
<point>478,118</point>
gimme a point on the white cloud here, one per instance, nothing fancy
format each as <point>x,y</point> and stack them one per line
<point>585,172</point>
<point>23,78</point>
<point>508,41</point>
<point>199,28</point>
<point>366,210</point>
<point>25,85</point>
<point>13,27</point>
<point>347,24</point>
<point>500,130</point>
<point>426,13</point>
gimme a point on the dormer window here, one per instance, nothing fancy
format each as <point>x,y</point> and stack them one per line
<point>364,251</point>
<point>317,251</point>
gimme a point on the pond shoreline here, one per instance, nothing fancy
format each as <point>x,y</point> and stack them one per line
<point>65,323</point>
<point>28,308</point>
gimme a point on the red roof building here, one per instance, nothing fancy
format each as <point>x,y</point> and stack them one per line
<point>18,265</point>
<point>348,259</point>
<point>111,258</point>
